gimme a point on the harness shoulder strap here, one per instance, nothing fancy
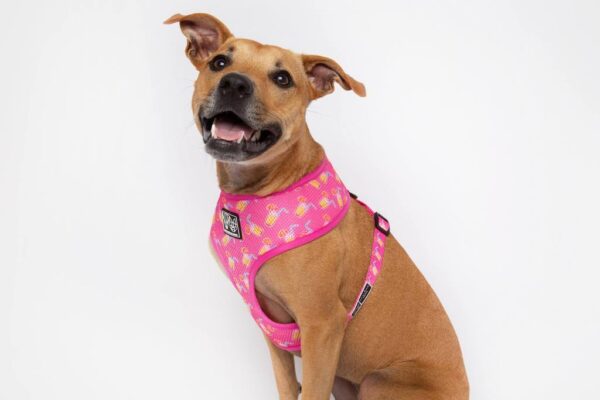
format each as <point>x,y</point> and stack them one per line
<point>380,233</point>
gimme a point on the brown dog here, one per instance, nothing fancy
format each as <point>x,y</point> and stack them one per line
<point>403,345</point>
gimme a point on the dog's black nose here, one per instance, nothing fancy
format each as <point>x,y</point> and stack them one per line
<point>235,86</point>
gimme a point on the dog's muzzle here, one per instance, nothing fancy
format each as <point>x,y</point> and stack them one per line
<point>232,128</point>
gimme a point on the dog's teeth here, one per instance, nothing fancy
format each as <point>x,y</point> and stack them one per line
<point>256,136</point>
<point>213,130</point>
<point>240,139</point>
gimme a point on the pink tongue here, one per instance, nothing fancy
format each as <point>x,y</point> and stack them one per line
<point>230,131</point>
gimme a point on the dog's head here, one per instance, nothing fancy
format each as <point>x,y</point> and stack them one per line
<point>250,99</point>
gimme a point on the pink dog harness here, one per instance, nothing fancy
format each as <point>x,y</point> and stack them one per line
<point>249,230</point>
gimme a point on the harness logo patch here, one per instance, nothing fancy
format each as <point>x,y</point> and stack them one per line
<point>363,297</point>
<point>231,223</point>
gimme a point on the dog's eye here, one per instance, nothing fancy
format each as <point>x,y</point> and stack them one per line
<point>219,62</point>
<point>282,79</point>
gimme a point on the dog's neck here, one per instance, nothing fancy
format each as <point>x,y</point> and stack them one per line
<point>282,171</point>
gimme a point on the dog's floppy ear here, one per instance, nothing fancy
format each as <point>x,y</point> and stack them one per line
<point>322,72</point>
<point>204,34</point>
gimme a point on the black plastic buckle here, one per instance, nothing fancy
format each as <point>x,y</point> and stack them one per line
<point>377,218</point>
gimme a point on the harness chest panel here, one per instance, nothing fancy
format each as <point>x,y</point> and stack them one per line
<point>249,230</point>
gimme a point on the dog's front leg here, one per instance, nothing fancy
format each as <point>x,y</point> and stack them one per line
<point>321,342</point>
<point>285,372</point>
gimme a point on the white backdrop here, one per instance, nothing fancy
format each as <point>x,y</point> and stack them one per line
<point>479,139</point>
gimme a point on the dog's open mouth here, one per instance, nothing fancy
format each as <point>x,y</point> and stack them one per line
<point>229,137</point>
